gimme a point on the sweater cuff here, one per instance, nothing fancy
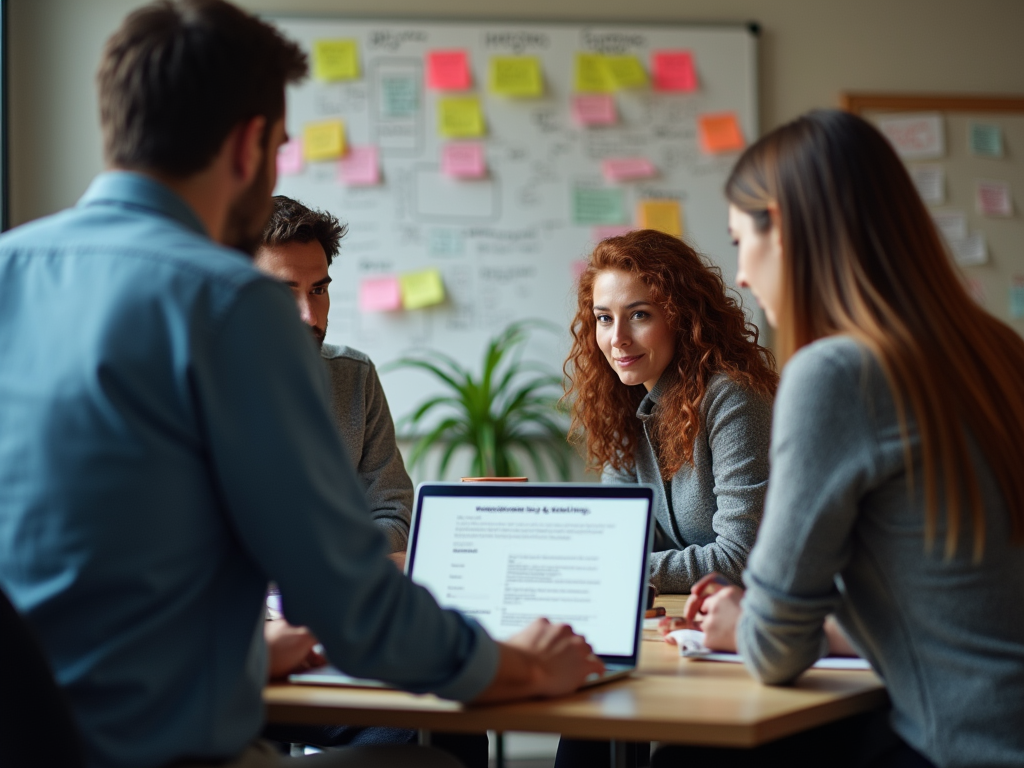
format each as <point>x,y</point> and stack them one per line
<point>479,670</point>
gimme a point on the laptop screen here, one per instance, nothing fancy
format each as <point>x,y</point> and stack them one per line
<point>506,554</point>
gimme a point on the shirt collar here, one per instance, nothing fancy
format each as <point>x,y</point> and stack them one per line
<point>136,190</point>
<point>665,381</point>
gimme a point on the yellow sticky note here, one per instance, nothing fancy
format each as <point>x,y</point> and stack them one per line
<point>323,140</point>
<point>421,289</point>
<point>592,74</point>
<point>625,72</point>
<point>663,215</point>
<point>516,76</point>
<point>336,59</point>
<point>460,117</point>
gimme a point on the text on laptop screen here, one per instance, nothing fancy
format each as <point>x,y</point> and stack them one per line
<point>506,561</point>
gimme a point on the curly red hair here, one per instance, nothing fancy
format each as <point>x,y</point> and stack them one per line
<point>712,336</point>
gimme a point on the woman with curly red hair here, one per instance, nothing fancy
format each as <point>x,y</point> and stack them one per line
<point>669,386</point>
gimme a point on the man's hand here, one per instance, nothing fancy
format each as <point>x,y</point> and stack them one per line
<point>544,659</point>
<point>398,558</point>
<point>290,649</point>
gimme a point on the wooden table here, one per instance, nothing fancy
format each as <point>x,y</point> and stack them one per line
<point>669,699</point>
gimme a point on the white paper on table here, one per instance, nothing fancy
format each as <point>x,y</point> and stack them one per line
<point>918,136</point>
<point>969,251</point>
<point>930,181</point>
<point>691,645</point>
<point>952,224</point>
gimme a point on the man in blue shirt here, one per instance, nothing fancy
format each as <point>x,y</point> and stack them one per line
<point>166,445</point>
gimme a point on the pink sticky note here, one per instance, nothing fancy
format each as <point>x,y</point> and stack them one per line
<point>594,109</point>
<point>627,168</point>
<point>448,71</point>
<point>609,230</point>
<point>289,158</point>
<point>360,167</point>
<point>673,71</point>
<point>463,160</point>
<point>380,294</point>
<point>578,268</point>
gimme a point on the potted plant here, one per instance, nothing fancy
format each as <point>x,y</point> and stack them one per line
<point>509,411</point>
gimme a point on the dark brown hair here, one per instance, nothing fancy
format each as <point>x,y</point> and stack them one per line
<point>712,336</point>
<point>179,75</point>
<point>861,257</point>
<point>292,222</point>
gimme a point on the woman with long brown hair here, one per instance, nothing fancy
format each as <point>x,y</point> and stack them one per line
<point>896,499</point>
<point>669,386</point>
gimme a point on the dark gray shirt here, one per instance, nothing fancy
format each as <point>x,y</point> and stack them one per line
<point>364,423</point>
<point>708,513</point>
<point>842,534</point>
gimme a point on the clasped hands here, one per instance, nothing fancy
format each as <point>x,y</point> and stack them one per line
<point>713,608</point>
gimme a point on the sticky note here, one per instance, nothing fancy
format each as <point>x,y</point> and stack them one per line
<point>421,289</point>
<point>598,206</point>
<point>593,109</point>
<point>674,71</point>
<point>591,74</point>
<point>516,76</point>
<point>603,232</point>
<point>992,198</point>
<point>625,72</point>
<point>720,132</point>
<point>1017,297</point>
<point>380,294</point>
<point>952,225</point>
<point>976,290</point>
<point>323,140</point>
<point>400,96</point>
<point>930,181</point>
<point>662,215</point>
<point>445,242</point>
<point>460,117</point>
<point>577,268</point>
<point>361,167</point>
<point>289,158</point>
<point>970,251</point>
<point>985,139</point>
<point>335,60</point>
<point>919,136</point>
<point>463,160</point>
<point>448,71</point>
<point>627,168</point>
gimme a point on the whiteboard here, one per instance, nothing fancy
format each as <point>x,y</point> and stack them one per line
<point>506,245</point>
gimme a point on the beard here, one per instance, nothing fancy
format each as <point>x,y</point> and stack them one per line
<point>319,334</point>
<point>250,212</point>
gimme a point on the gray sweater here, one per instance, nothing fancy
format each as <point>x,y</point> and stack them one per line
<point>841,535</point>
<point>708,513</point>
<point>364,422</point>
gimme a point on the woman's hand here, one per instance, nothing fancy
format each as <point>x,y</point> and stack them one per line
<point>290,649</point>
<point>713,608</point>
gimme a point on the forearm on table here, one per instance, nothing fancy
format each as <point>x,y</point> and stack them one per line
<point>675,571</point>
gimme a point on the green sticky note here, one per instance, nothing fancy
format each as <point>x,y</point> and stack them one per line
<point>1017,299</point>
<point>598,206</point>
<point>400,96</point>
<point>591,74</point>
<point>517,76</point>
<point>460,117</point>
<point>985,139</point>
<point>625,72</point>
<point>335,60</point>
<point>421,289</point>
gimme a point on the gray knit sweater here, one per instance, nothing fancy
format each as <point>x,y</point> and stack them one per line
<point>708,513</point>
<point>843,535</point>
<point>364,422</point>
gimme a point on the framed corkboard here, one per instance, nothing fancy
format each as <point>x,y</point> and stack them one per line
<point>973,185</point>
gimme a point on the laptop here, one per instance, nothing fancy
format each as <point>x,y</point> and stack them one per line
<point>508,553</point>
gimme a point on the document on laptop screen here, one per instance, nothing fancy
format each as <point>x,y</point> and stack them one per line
<point>506,561</point>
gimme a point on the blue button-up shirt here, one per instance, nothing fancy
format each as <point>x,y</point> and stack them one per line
<point>166,449</point>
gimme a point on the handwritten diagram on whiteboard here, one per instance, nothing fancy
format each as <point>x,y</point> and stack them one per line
<point>476,164</point>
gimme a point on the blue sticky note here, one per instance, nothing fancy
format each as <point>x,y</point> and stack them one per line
<point>400,96</point>
<point>445,242</point>
<point>985,139</point>
<point>1017,299</point>
<point>598,205</point>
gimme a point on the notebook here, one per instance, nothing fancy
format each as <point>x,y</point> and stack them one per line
<point>507,553</point>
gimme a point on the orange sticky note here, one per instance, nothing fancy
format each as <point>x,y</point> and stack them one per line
<point>720,132</point>
<point>662,215</point>
<point>448,71</point>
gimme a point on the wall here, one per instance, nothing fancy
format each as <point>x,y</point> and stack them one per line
<point>812,49</point>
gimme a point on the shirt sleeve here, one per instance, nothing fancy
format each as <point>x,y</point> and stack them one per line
<point>300,513</point>
<point>389,491</point>
<point>738,429</point>
<point>823,454</point>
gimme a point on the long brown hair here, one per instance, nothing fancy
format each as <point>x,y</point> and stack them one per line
<point>862,257</point>
<point>712,336</point>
